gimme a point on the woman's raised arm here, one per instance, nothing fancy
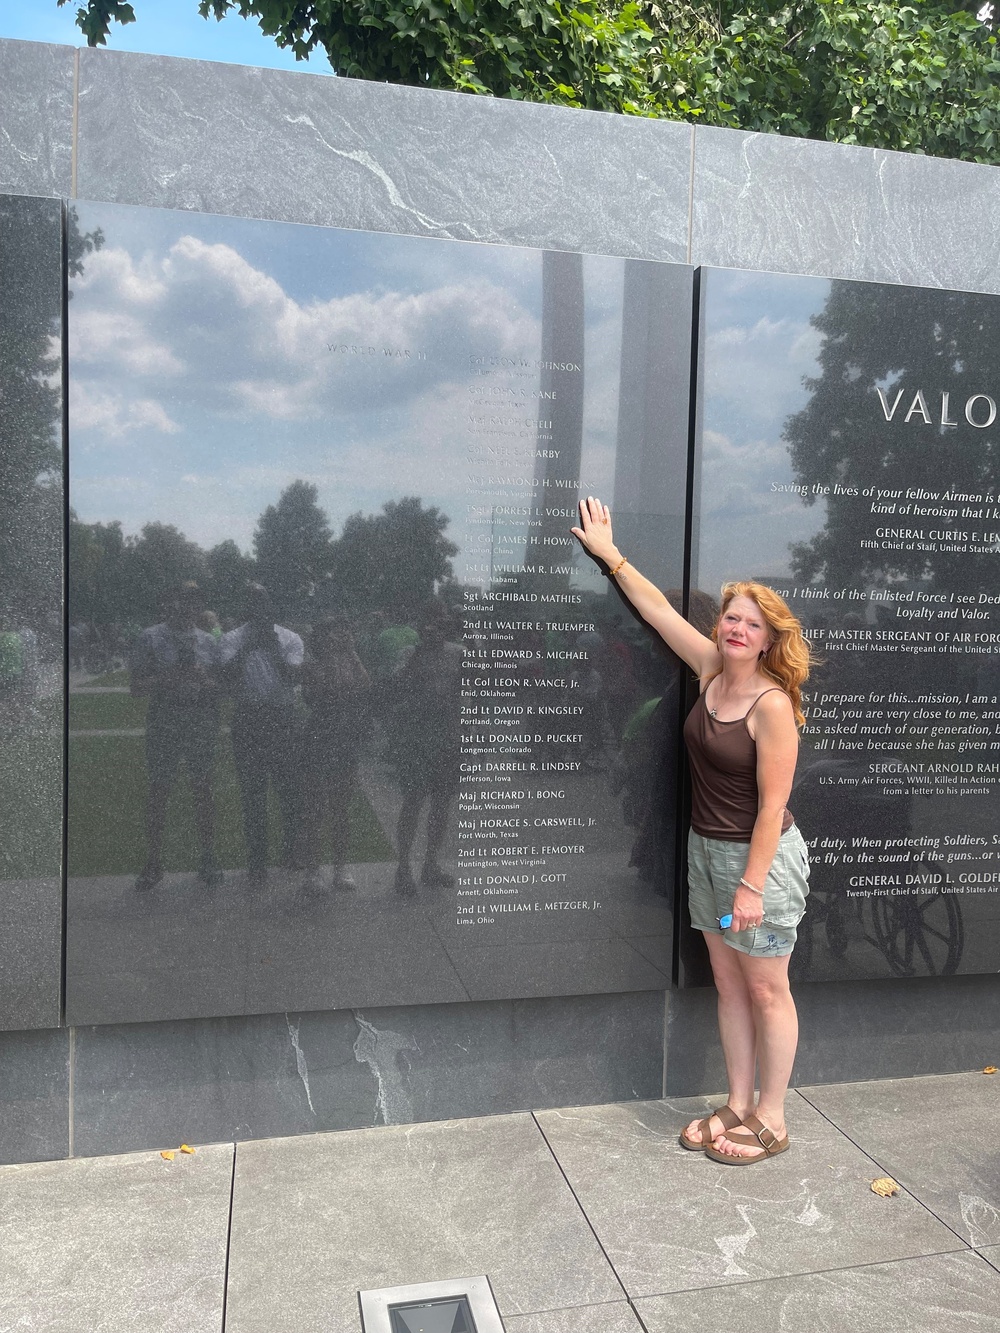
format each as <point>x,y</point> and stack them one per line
<point>595,536</point>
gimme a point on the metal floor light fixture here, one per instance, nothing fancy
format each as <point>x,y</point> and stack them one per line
<point>459,1305</point>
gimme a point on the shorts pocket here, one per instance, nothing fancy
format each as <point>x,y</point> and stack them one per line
<point>786,886</point>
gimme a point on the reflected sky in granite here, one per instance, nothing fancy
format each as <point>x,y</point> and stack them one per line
<point>353,721</point>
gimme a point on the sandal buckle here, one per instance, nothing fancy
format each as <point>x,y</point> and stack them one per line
<point>764,1142</point>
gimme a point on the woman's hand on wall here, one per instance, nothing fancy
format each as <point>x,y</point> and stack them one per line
<point>594,532</point>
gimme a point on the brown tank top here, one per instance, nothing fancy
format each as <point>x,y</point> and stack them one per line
<point>723,757</point>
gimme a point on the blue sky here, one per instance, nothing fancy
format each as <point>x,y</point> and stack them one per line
<point>162,27</point>
<point>759,347</point>
<point>216,360</point>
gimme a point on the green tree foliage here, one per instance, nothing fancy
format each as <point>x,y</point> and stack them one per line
<point>227,573</point>
<point>161,559</point>
<point>30,412</point>
<point>292,547</point>
<point>394,561</point>
<point>391,561</point>
<point>921,76</point>
<point>100,589</point>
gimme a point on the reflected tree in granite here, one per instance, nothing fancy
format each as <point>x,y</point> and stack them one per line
<point>31,526</point>
<point>292,547</point>
<point>389,563</point>
<point>31,395</point>
<point>882,347</point>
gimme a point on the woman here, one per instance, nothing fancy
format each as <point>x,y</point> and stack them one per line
<point>746,858</point>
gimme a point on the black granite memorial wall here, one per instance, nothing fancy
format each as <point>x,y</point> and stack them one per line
<point>31,638</point>
<point>847,455</point>
<point>352,720</point>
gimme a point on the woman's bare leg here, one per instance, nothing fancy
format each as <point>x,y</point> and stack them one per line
<point>736,1029</point>
<point>777,1027</point>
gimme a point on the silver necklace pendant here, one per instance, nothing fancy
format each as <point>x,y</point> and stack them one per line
<point>711,712</point>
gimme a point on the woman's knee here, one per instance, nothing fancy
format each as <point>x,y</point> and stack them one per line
<point>768,986</point>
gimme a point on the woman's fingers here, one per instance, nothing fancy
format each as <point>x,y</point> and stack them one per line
<point>595,524</point>
<point>745,923</point>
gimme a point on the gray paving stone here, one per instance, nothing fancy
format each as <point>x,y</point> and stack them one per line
<point>946,1293</point>
<point>618,1318</point>
<point>671,1220</point>
<point>934,1135</point>
<point>316,1219</point>
<point>353,153</point>
<point>991,1253</point>
<point>115,1244</point>
<point>36,118</point>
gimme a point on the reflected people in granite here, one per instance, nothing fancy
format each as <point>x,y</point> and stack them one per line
<point>261,662</point>
<point>424,733</point>
<point>338,695</point>
<point>175,666</point>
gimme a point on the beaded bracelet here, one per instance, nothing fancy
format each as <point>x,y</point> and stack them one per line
<point>613,572</point>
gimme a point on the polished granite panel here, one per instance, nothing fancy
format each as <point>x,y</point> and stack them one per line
<point>353,720</point>
<point>133,1243</point>
<point>850,1031</point>
<point>31,633</point>
<point>34,1096</point>
<point>692,1051</point>
<point>763,201</point>
<point>949,1293</point>
<point>352,153</point>
<point>844,459</point>
<point>439,1201</point>
<point>671,1220</point>
<point>248,1078</point>
<point>36,113</point>
<point>213,1080</point>
<point>478,1059</point>
<point>934,1134</point>
<point>30,953</point>
<point>617,1318</point>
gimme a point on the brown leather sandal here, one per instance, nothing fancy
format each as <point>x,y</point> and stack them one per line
<point>726,1114</point>
<point>759,1137</point>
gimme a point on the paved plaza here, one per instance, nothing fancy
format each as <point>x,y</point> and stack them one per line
<point>586,1220</point>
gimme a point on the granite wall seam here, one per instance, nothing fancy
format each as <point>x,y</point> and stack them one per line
<point>691,179</point>
<point>75,133</point>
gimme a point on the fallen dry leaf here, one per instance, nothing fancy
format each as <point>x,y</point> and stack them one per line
<point>167,1156</point>
<point>885,1187</point>
<point>990,1069</point>
<point>185,1148</point>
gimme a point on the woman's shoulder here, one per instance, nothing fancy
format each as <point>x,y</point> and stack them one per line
<point>774,704</point>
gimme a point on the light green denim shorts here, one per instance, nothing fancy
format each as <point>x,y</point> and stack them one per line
<point>714,871</point>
